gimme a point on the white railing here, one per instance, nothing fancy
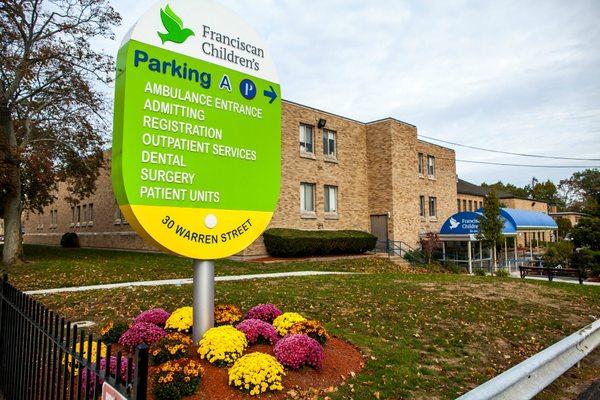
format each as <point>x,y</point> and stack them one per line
<point>525,380</point>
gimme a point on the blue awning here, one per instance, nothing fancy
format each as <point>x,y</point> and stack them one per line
<point>524,220</point>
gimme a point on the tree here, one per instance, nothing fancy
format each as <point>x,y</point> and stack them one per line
<point>508,188</point>
<point>564,227</point>
<point>491,223</point>
<point>581,192</point>
<point>587,233</point>
<point>558,253</point>
<point>51,113</point>
<point>545,191</point>
<point>429,244</point>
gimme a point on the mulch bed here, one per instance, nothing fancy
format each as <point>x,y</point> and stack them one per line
<point>342,360</point>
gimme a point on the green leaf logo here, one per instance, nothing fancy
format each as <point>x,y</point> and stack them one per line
<point>176,33</point>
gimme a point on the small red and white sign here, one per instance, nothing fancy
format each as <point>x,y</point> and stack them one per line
<point>110,393</point>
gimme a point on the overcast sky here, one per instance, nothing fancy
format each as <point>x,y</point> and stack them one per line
<point>520,76</point>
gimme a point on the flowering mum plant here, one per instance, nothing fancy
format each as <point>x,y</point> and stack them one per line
<point>84,354</point>
<point>141,332</point>
<point>227,314</point>
<point>171,347</point>
<point>181,320</point>
<point>176,379</point>
<point>222,345</point>
<point>258,331</point>
<point>112,371</point>
<point>285,321</point>
<point>294,351</point>
<point>311,328</point>
<point>156,316</point>
<point>112,331</point>
<point>266,312</point>
<point>257,373</point>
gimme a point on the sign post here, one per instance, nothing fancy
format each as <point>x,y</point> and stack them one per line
<point>196,158</point>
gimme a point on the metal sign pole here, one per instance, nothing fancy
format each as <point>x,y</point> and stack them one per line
<point>204,297</point>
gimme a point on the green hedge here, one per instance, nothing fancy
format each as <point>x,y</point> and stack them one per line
<point>298,243</point>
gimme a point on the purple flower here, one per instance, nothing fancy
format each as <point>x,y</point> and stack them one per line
<point>265,312</point>
<point>258,331</point>
<point>156,316</point>
<point>112,371</point>
<point>141,332</point>
<point>295,351</point>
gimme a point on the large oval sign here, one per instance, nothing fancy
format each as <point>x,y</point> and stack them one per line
<point>197,130</point>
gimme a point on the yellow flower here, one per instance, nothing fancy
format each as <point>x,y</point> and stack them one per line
<point>256,372</point>
<point>285,321</point>
<point>181,320</point>
<point>223,344</point>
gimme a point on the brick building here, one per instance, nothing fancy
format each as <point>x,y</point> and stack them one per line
<point>337,173</point>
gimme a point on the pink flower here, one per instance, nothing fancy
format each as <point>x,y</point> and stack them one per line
<point>295,351</point>
<point>156,316</point>
<point>258,331</point>
<point>112,371</point>
<point>141,332</point>
<point>265,312</point>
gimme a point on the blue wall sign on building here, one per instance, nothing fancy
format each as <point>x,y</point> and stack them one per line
<point>462,223</point>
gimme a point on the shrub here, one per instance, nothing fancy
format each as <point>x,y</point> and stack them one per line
<point>588,260</point>
<point>258,331</point>
<point>256,372</point>
<point>479,272</point>
<point>171,347</point>
<point>265,312</point>
<point>285,321</point>
<point>298,243</point>
<point>141,332</point>
<point>222,345</point>
<point>558,253</point>
<point>587,233</point>
<point>312,329</point>
<point>453,268</point>
<point>181,320</point>
<point>227,314</point>
<point>69,239</point>
<point>174,380</point>
<point>502,273</point>
<point>112,331</point>
<point>156,316</point>
<point>112,372</point>
<point>294,351</point>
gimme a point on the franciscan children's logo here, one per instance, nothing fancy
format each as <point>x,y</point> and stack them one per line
<point>176,33</point>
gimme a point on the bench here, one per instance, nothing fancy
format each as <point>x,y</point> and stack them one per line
<point>552,272</point>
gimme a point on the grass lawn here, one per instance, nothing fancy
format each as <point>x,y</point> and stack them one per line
<point>53,267</point>
<point>424,336</point>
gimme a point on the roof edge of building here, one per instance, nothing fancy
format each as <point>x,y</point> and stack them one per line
<point>347,118</point>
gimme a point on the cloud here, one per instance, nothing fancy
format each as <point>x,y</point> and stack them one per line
<point>513,75</point>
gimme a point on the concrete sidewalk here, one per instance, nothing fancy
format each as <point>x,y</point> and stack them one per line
<point>186,281</point>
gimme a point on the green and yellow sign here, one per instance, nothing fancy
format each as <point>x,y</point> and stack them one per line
<point>197,130</point>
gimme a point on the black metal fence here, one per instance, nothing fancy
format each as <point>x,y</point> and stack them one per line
<point>43,356</point>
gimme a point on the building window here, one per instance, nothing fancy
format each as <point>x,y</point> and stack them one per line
<point>307,197</point>
<point>431,165</point>
<point>470,205</point>
<point>422,206</point>
<point>480,204</point>
<point>84,211</point>
<point>119,217</point>
<point>433,207</point>
<point>464,205</point>
<point>77,215</point>
<point>306,139</point>
<point>53,218</point>
<point>329,143</point>
<point>420,163</point>
<point>458,205</point>
<point>91,212</point>
<point>331,199</point>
